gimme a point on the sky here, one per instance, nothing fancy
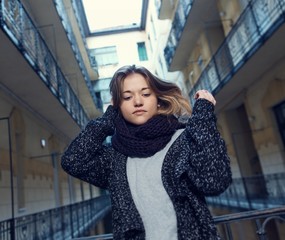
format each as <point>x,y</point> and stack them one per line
<point>102,14</point>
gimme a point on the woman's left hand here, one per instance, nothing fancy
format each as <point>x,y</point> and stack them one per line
<point>206,95</point>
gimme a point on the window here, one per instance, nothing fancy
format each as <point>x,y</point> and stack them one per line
<point>279,111</point>
<point>105,55</point>
<point>142,51</point>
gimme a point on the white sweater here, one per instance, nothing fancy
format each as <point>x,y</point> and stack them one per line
<point>151,199</point>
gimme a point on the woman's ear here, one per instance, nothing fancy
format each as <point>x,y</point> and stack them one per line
<point>158,103</point>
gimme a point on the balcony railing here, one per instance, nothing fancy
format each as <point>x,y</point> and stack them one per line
<point>70,35</point>
<point>256,24</point>
<point>182,12</point>
<point>19,27</point>
<point>72,221</point>
<point>62,223</point>
<point>79,11</point>
<point>264,193</point>
<point>257,192</point>
<point>260,217</point>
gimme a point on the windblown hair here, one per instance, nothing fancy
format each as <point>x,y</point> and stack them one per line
<point>169,95</point>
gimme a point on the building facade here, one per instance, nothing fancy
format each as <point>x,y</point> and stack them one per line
<point>233,49</point>
<point>46,98</point>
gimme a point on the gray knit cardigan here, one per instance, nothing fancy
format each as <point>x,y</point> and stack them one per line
<point>195,166</point>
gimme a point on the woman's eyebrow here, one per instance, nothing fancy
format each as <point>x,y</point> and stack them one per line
<point>129,91</point>
<point>145,88</point>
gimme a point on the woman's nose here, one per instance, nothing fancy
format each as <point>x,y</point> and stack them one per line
<point>138,101</point>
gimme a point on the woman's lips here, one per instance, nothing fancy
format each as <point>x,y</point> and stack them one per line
<point>139,112</point>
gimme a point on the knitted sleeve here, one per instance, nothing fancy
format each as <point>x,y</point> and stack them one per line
<point>87,158</point>
<point>209,170</point>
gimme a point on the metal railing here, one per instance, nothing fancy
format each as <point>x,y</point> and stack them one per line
<point>97,237</point>
<point>256,192</point>
<point>18,26</point>
<point>181,14</point>
<point>72,221</point>
<point>255,25</point>
<point>62,223</point>
<point>71,37</point>
<point>264,193</point>
<point>260,217</point>
<point>259,20</point>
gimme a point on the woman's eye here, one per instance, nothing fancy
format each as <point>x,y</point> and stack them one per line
<point>127,98</point>
<point>146,94</point>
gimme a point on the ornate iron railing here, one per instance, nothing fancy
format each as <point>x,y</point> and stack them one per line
<point>260,217</point>
<point>181,14</point>
<point>256,192</point>
<point>19,27</point>
<point>255,25</point>
<point>79,11</point>
<point>266,192</point>
<point>64,223</point>
<point>70,35</point>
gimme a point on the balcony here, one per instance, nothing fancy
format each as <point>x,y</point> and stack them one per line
<point>31,74</point>
<point>79,30</point>
<point>227,223</point>
<point>256,192</point>
<point>74,44</point>
<point>165,8</point>
<point>188,23</point>
<point>254,201</point>
<point>243,56</point>
<point>64,223</point>
<point>56,21</point>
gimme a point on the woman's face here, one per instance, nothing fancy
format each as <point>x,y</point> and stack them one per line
<point>139,102</point>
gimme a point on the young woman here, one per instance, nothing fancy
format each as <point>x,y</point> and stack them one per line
<point>157,169</point>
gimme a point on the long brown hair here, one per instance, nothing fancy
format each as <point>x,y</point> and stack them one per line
<point>169,95</point>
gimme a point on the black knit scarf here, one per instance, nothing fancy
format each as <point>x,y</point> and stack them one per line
<point>146,139</point>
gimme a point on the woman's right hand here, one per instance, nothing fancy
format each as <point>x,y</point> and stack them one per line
<point>205,95</point>
<point>109,118</point>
